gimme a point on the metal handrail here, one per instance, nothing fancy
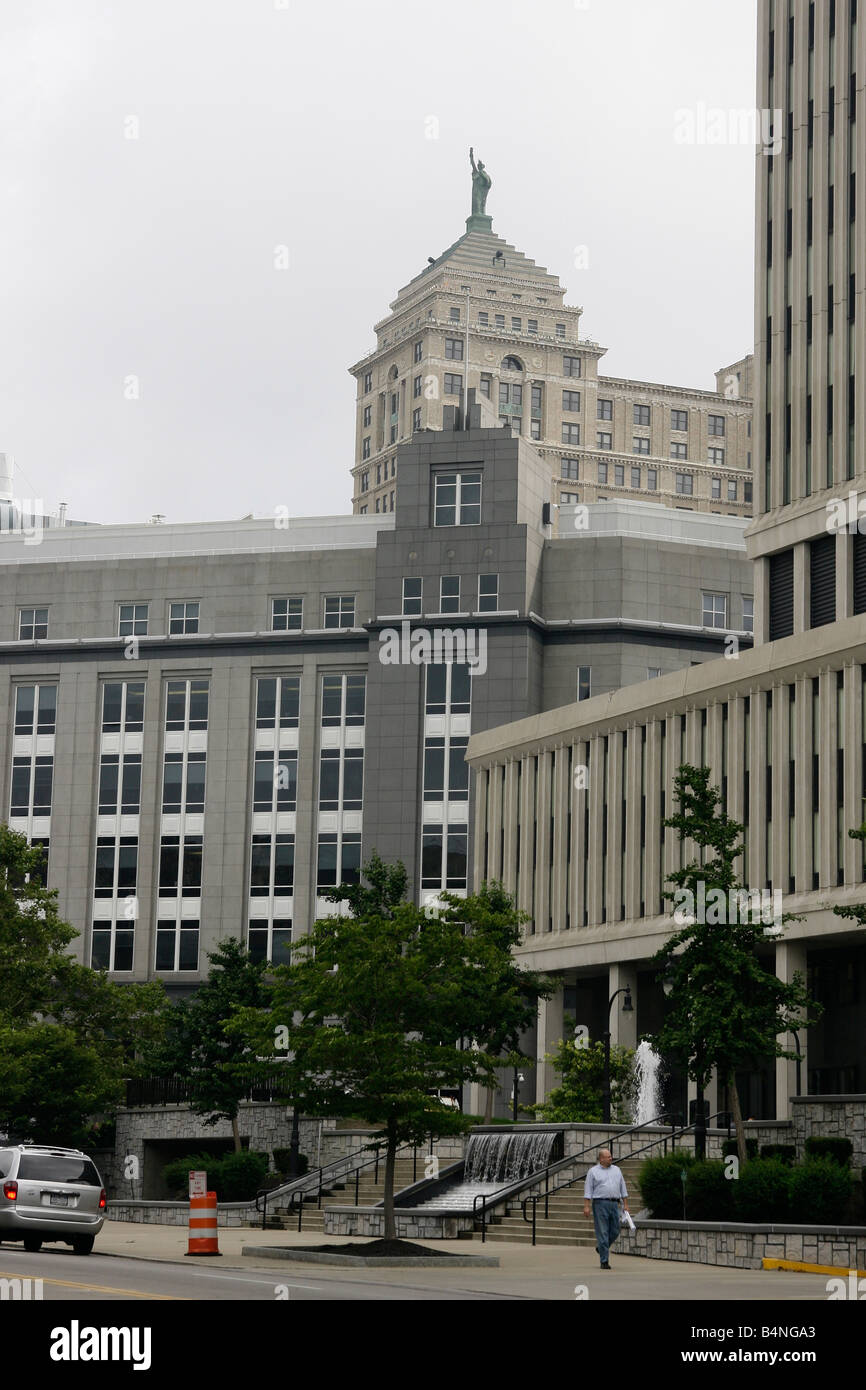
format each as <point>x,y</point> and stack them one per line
<point>491,1199</point>
<point>663,1139</point>
<point>296,1189</point>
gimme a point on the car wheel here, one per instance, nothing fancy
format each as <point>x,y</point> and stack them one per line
<point>32,1244</point>
<point>82,1245</point>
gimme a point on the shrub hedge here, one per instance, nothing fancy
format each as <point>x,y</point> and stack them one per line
<point>709,1194</point>
<point>282,1159</point>
<point>661,1185</point>
<point>235,1177</point>
<point>840,1150</point>
<point>762,1192</point>
<point>769,1190</point>
<point>820,1190</point>
<point>787,1152</point>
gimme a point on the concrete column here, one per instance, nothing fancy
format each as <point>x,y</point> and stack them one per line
<point>761,572</point>
<point>614,827</point>
<point>527,814</point>
<point>671,858</point>
<point>790,958</point>
<point>852,737</point>
<point>781,749</point>
<point>550,1032</point>
<point>654,773</point>
<point>845,569</point>
<point>578,792</point>
<point>542,831</point>
<point>478,864</point>
<point>561,790</point>
<point>632,857</point>
<point>759,752</point>
<point>802,588</point>
<point>593,849</point>
<point>802,865</point>
<point>509,855</point>
<point>494,821</point>
<point>623,1027</point>
<point>827,780</point>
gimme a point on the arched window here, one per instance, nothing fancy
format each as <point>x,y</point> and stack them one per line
<point>511,364</point>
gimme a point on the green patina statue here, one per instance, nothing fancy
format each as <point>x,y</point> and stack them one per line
<point>481,182</point>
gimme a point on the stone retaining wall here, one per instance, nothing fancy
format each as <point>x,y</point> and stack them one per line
<point>177,1213</point>
<point>744,1247</point>
<point>831,1116</point>
<point>370,1221</point>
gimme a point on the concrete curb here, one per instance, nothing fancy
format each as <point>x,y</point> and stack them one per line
<point>282,1252</point>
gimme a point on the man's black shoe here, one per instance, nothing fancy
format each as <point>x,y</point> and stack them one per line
<point>606,1266</point>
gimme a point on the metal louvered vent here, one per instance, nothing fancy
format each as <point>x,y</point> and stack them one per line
<point>781,595</point>
<point>822,567</point>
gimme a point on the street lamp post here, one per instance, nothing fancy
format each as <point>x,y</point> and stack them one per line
<point>518,1077</point>
<point>627,1008</point>
<point>294,1144</point>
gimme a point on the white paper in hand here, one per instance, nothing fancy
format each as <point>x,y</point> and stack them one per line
<point>627,1221</point>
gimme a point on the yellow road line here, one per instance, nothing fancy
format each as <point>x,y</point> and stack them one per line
<point>801,1268</point>
<point>94,1288</point>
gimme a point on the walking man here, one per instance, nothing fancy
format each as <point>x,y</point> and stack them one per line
<point>604,1187</point>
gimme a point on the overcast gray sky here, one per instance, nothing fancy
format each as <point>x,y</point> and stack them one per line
<point>263,124</point>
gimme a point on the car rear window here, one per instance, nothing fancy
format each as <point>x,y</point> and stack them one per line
<point>5,1163</point>
<point>51,1168</point>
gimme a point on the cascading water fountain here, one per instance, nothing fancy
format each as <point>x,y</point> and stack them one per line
<point>492,1162</point>
<point>646,1083</point>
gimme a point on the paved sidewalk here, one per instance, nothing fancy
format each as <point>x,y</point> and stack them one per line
<point>543,1272</point>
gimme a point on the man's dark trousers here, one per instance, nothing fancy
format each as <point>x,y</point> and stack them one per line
<point>605,1216</point>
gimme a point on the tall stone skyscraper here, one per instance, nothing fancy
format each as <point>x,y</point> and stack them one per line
<point>485,303</point>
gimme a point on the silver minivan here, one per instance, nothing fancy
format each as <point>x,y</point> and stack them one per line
<point>50,1194</point>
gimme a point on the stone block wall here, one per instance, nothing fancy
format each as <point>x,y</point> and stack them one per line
<point>370,1221</point>
<point>831,1116</point>
<point>744,1247</point>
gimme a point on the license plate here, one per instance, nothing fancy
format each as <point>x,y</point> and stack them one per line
<point>58,1199</point>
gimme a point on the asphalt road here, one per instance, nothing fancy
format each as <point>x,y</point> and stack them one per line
<point>70,1278</point>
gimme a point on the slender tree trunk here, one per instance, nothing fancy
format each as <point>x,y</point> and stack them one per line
<point>488,1104</point>
<point>390,1155</point>
<point>734,1101</point>
<point>236,1134</point>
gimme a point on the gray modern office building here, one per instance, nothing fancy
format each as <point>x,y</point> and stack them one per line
<point>207,725</point>
<point>783,726</point>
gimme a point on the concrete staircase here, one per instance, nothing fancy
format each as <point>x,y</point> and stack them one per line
<point>342,1193</point>
<point>566,1223</point>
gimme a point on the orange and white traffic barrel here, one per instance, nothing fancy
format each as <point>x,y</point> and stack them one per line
<point>203,1225</point>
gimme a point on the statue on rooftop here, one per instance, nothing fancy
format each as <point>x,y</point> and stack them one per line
<point>481,182</point>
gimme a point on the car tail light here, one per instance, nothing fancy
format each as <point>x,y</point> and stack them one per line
<point>102,1202</point>
<point>10,1190</point>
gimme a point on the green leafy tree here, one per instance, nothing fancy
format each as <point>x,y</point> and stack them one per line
<point>68,1035</point>
<point>374,1007</point>
<point>726,1009</point>
<point>856,912</point>
<point>579,1098</point>
<point>217,1065</point>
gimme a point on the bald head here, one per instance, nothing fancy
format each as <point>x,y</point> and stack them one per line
<point>605,1157</point>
